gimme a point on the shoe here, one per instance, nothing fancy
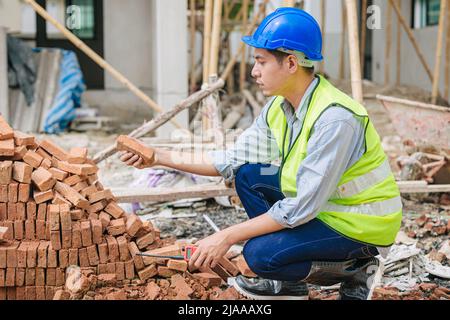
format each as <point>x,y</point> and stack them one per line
<point>266,289</point>
<point>361,285</point>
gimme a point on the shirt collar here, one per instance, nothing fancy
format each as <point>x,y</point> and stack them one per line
<point>287,107</point>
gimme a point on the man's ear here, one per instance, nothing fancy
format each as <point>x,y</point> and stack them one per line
<point>292,63</point>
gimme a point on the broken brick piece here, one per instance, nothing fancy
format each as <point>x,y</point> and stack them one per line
<point>6,132</point>
<point>229,266</point>
<point>43,179</point>
<point>116,227</point>
<point>73,196</point>
<point>58,174</point>
<point>126,143</point>
<point>44,196</point>
<point>145,240</point>
<point>54,150</point>
<point>23,139</point>
<point>22,172</point>
<point>100,195</point>
<point>33,159</point>
<point>178,265</point>
<point>207,280</point>
<point>148,272</point>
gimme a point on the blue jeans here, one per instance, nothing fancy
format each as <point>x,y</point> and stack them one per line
<point>288,254</point>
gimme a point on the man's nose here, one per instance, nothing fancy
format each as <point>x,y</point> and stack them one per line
<point>255,72</point>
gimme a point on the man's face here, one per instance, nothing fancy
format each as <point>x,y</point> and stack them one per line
<point>270,75</point>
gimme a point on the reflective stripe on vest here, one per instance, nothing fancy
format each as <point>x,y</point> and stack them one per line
<point>363,182</point>
<point>379,208</point>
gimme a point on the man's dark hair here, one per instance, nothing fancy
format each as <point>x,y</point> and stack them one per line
<point>280,56</point>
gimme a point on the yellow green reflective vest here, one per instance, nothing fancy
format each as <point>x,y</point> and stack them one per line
<point>366,205</point>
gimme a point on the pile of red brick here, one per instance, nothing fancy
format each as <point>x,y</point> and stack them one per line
<point>55,213</point>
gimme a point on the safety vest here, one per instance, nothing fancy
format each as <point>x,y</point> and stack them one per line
<point>366,205</point>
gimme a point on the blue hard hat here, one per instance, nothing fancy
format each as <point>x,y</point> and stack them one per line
<point>291,29</point>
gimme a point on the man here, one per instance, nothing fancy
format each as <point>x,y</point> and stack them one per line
<point>331,206</point>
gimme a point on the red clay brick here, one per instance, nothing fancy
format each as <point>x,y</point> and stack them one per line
<point>33,159</point>
<point>78,169</point>
<point>19,232</point>
<point>120,270</point>
<point>66,219</point>
<point>51,277</point>
<point>73,180</point>
<point>31,210</point>
<point>21,211</point>
<point>100,195</point>
<point>4,193</point>
<point>9,235</point>
<point>97,207</point>
<point>124,252</point>
<point>40,229</point>
<point>229,266</point>
<point>97,234</point>
<point>165,272</point>
<point>86,233</point>
<point>19,153</point>
<point>93,255</point>
<point>148,272</point>
<point>73,256</point>
<point>52,260</point>
<point>134,223</point>
<point>3,212</point>
<point>23,139</point>
<point>2,277</point>
<point>22,255</point>
<point>103,252</point>
<point>208,280</point>
<point>7,148</point>
<point>32,254</point>
<point>20,277</point>
<point>40,277</point>
<point>30,230</point>
<point>60,277</point>
<point>54,150</point>
<point>116,227</point>
<point>66,239</point>
<point>43,179</point>
<point>22,172</point>
<point>13,190</point>
<point>111,268</point>
<point>6,168</point>
<point>24,192</point>
<point>73,196</point>
<point>63,257</point>
<point>77,155</point>
<point>59,199</point>
<point>178,265</point>
<point>55,239</point>
<point>49,292</point>
<point>46,164</point>
<point>76,214</point>
<point>125,143</point>
<point>42,254</point>
<point>129,270</point>
<point>145,241</point>
<point>243,267</point>
<point>42,212</point>
<point>221,272</point>
<point>83,257</point>
<point>114,210</point>
<point>30,277</point>
<point>58,174</point>
<point>40,293</point>
<point>10,279</point>
<point>77,241</point>
<point>6,132</point>
<point>44,196</point>
<point>54,217</point>
<point>138,260</point>
<point>80,186</point>
<point>3,231</point>
<point>86,192</point>
<point>105,219</point>
<point>113,249</point>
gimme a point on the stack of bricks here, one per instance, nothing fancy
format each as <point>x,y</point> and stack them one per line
<point>54,213</point>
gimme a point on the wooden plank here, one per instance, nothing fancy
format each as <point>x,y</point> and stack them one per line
<point>129,195</point>
<point>4,103</point>
<point>438,56</point>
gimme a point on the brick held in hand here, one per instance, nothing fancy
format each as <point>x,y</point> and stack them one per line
<point>126,143</point>
<point>6,132</point>
<point>43,179</point>
<point>54,150</point>
<point>22,172</point>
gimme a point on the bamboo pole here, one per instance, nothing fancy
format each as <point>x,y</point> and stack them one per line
<point>192,32</point>
<point>255,20</point>
<point>288,3</point>
<point>243,65</point>
<point>363,33</point>
<point>215,41</point>
<point>438,56</point>
<point>227,9</point>
<point>354,51</point>
<point>447,56</point>
<point>387,51</point>
<point>411,38</point>
<point>97,59</point>
<point>399,47</point>
<point>344,32</point>
<point>207,39</point>
<point>323,18</point>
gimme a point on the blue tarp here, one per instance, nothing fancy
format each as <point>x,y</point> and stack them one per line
<point>71,86</point>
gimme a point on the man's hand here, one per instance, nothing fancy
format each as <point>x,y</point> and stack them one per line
<point>132,159</point>
<point>210,250</point>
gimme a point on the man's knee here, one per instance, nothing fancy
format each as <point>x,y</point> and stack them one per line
<point>255,254</point>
